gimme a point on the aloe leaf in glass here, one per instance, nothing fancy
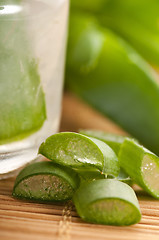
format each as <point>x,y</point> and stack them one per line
<point>22,103</point>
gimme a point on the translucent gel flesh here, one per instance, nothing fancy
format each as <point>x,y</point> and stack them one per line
<point>150,173</point>
<point>44,187</point>
<point>112,211</point>
<point>77,150</point>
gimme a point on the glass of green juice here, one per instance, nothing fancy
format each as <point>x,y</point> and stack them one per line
<point>33,35</point>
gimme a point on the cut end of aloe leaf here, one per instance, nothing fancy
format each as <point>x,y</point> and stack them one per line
<point>111,212</point>
<point>72,149</point>
<point>141,165</point>
<point>45,181</point>
<point>150,173</point>
<point>107,201</point>
<point>44,187</point>
<point>78,151</point>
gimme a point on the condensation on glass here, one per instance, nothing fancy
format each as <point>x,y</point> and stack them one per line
<point>33,37</point>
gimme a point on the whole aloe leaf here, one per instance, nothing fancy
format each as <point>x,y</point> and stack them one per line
<point>110,75</point>
<point>136,21</point>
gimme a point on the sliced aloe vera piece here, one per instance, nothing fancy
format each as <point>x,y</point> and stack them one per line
<point>46,181</point>
<point>107,201</point>
<point>78,151</point>
<point>142,166</point>
<point>22,102</point>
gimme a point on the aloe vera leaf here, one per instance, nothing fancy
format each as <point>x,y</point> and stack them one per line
<point>130,20</point>
<point>46,181</point>
<point>141,165</point>
<point>79,151</point>
<point>88,5</point>
<point>22,102</point>
<point>107,201</point>
<point>110,76</point>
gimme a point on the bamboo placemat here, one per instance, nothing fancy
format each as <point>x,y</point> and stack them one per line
<point>23,220</point>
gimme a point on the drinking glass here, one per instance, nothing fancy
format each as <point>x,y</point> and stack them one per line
<point>33,37</point>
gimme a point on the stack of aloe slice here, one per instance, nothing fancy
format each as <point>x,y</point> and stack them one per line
<point>137,162</point>
<point>92,168</point>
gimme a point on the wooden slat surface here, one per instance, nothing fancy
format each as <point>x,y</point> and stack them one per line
<point>22,220</point>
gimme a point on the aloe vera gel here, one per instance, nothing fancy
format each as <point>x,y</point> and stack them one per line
<point>32,48</point>
<point>45,181</point>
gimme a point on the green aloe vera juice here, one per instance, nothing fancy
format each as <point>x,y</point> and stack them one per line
<point>32,50</point>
